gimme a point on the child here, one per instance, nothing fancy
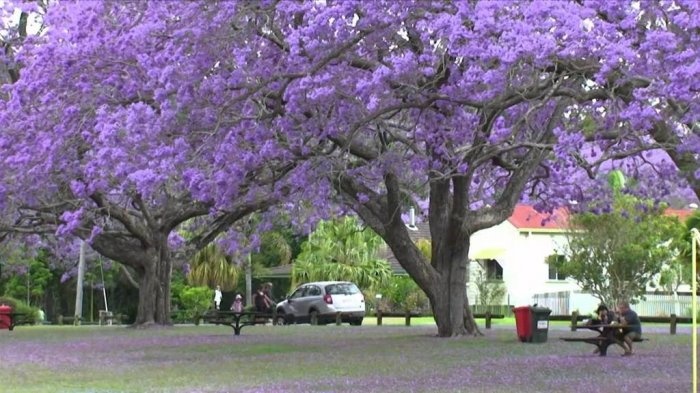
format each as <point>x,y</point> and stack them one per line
<point>237,305</point>
<point>217,297</point>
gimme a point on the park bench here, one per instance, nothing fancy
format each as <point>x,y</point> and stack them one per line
<point>673,320</point>
<point>108,318</point>
<point>238,320</point>
<point>601,342</point>
<point>606,336</point>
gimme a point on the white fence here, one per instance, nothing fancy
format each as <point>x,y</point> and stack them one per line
<point>563,303</point>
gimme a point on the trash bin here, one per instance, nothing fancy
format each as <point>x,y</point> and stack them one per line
<point>5,318</point>
<point>532,323</point>
<point>523,326</point>
<point>540,323</point>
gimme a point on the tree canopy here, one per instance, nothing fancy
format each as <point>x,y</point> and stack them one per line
<point>124,119</point>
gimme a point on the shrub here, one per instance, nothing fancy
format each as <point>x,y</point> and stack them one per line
<point>402,294</point>
<point>196,300</point>
<point>31,313</point>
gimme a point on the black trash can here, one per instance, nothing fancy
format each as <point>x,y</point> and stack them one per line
<point>540,323</point>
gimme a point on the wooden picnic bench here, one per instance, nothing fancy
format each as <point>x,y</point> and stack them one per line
<point>238,320</point>
<point>607,335</point>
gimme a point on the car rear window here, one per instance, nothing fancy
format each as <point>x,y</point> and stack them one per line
<point>342,289</point>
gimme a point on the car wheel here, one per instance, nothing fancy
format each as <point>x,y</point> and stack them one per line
<point>356,322</point>
<point>281,318</point>
<point>314,317</point>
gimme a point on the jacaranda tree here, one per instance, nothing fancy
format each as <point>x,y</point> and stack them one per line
<point>139,111</point>
<point>114,137</point>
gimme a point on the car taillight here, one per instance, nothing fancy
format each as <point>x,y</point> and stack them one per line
<point>328,299</point>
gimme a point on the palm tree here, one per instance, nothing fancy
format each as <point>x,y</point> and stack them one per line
<point>341,249</point>
<point>211,267</point>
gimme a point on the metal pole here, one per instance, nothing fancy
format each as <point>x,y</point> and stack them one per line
<point>695,239</point>
<point>104,290</point>
<point>79,285</point>
<point>249,281</point>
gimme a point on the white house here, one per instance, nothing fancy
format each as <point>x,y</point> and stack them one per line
<point>516,252</point>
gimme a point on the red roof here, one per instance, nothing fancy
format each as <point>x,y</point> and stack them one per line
<point>682,214</point>
<point>526,217</point>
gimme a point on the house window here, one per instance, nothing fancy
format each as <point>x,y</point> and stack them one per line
<point>494,271</point>
<point>554,273</point>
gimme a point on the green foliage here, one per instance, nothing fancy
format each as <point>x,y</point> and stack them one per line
<point>491,292</point>
<point>177,286</point>
<point>683,268</point>
<point>196,300</point>
<point>275,250</point>
<point>425,247</point>
<point>211,267</point>
<point>616,180</point>
<point>401,293</point>
<point>31,313</point>
<point>341,249</point>
<point>617,253</point>
<point>32,285</point>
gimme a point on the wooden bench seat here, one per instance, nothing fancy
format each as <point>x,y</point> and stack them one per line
<point>237,320</point>
<point>601,342</point>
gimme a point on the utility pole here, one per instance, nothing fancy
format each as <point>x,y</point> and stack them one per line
<point>79,285</point>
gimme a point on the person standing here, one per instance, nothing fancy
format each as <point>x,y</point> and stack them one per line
<point>217,297</point>
<point>237,305</point>
<point>633,330</point>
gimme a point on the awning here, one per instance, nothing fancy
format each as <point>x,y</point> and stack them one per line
<point>284,271</point>
<point>486,252</point>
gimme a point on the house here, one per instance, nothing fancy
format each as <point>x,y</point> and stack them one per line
<point>515,253</point>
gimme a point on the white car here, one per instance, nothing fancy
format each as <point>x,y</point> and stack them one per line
<point>322,301</point>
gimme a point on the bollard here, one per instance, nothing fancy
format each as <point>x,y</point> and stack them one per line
<point>314,318</point>
<point>379,317</point>
<point>338,318</point>
<point>408,318</point>
<point>674,321</point>
<point>488,320</point>
<point>574,320</point>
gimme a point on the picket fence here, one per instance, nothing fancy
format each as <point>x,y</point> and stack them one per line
<point>654,304</point>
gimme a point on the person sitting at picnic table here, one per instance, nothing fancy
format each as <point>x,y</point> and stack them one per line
<point>629,318</point>
<point>604,315</point>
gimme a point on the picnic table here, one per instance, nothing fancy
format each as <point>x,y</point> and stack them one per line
<point>237,320</point>
<point>608,334</point>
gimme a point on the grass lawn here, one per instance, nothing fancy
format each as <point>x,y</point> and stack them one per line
<point>306,358</point>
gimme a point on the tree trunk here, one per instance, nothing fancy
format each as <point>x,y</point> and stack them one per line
<point>449,301</point>
<point>165,270</point>
<point>148,289</point>
<point>153,266</point>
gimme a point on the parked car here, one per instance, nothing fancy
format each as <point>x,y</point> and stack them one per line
<point>322,301</point>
